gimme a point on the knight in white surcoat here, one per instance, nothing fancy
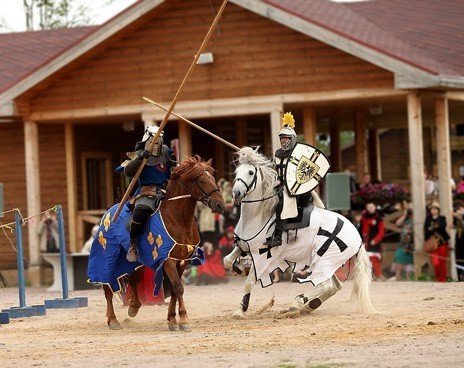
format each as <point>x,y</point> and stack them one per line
<point>287,206</point>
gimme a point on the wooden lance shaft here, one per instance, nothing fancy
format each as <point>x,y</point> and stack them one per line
<point>222,140</point>
<point>171,107</point>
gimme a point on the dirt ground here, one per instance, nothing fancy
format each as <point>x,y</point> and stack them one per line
<point>420,325</point>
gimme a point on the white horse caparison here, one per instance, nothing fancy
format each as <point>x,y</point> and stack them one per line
<point>255,179</point>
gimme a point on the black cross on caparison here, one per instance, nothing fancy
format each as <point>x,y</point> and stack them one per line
<point>332,237</point>
<point>264,250</point>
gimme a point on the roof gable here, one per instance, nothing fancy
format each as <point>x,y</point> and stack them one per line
<point>362,29</point>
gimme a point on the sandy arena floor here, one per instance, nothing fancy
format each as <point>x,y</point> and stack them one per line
<point>420,325</point>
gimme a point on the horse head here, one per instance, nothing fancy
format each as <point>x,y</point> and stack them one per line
<point>255,173</point>
<point>195,177</point>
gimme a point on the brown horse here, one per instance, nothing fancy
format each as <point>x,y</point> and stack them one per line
<point>190,182</point>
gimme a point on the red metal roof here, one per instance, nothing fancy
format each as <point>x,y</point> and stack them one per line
<point>426,34</point>
<point>24,52</point>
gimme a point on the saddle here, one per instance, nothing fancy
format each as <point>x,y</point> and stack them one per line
<point>302,220</point>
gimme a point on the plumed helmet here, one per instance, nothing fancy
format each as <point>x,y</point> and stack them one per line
<point>288,125</point>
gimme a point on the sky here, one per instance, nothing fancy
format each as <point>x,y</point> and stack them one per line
<point>12,14</point>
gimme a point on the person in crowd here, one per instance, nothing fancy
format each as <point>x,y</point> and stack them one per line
<point>88,244</point>
<point>356,217</point>
<point>430,188</point>
<point>372,233</point>
<point>435,225</point>
<point>353,187</point>
<point>212,271</point>
<point>47,231</point>
<point>366,181</point>
<point>230,214</point>
<point>209,224</point>
<point>226,243</point>
<point>403,260</point>
<point>459,240</point>
<point>460,186</point>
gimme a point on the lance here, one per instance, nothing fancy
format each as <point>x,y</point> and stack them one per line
<point>233,146</point>
<point>171,107</point>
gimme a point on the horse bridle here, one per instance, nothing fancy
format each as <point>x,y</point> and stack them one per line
<point>205,198</point>
<point>252,185</point>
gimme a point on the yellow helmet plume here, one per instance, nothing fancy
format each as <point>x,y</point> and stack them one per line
<point>288,120</point>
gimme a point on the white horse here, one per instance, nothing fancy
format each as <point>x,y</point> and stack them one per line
<point>320,249</point>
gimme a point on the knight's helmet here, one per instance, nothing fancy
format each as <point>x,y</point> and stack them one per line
<point>150,133</point>
<point>288,125</point>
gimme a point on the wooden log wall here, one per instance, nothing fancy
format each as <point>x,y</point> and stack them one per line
<point>13,177</point>
<point>252,56</point>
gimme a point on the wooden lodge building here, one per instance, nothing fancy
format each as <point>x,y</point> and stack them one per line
<point>71,102</point>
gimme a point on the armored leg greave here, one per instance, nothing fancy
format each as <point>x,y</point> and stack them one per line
<point>139,220</point>
<point>276,239</point>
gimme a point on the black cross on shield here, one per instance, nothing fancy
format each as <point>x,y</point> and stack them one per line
<point>332,237</point>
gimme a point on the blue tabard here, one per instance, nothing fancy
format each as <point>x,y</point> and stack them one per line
<point>107,261</point>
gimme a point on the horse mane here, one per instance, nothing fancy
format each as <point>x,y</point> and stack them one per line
<point>191,168</point>
<point>248,155</point>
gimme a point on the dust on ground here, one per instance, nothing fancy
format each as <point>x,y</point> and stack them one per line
<point>420,325</point>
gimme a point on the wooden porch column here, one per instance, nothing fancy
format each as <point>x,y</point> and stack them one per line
<point>444,169</point>
<point>374,155</point>
<point>335,152</point>
<point>360,144</point>
<point>276,124</point>
<point>309,125</point>
<point>185,140</point>
<point>416,163</point>
<point>31,146</point>
<point>71,184</point>
<point>241,137</point>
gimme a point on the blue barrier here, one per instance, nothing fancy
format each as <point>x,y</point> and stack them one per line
<point>64,302</point>
<point>23,310</point>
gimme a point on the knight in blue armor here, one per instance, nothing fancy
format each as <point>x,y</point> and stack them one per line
<point>152,182</point>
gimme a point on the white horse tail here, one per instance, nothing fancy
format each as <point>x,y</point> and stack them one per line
<point>362,278</point>
<point>317,201</point>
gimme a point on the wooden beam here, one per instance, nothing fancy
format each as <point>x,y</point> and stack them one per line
<point>374,155</point>
<point>444,169</point>
<point>241,136</point>
<point>240,106</point>
<point>276,120</point>
<point>31,146</point>
<point>416,162</point>
<point>71,184</point>
<point>335,149</point>
<point>309,125</point>
<point>185,140</point>
<point>360,143</point>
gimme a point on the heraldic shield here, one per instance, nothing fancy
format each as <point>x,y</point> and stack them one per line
<point>306,167</point>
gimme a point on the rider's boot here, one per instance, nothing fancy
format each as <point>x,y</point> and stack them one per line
<point>276,239</point>
<point>132,252</point>
<point>311,301</point>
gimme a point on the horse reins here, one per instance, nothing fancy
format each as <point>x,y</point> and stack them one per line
<point>205,198</point>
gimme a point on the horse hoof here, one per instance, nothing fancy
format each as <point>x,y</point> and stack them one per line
<point>185,327</point>
<point>114,326</point>
<point>132,311</point>
<point>173,328</point>
<point>238,314</point>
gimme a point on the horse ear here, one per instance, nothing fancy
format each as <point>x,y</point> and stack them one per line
<point>256,149</point>
<point>210,162</point>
